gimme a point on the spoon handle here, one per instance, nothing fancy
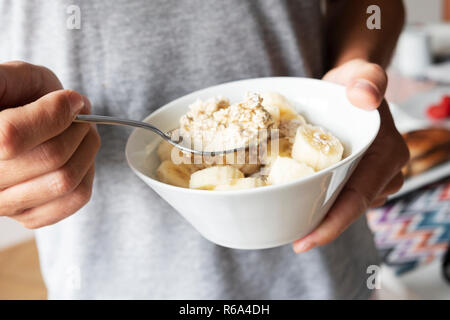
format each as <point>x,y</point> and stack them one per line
<point>90,118</point>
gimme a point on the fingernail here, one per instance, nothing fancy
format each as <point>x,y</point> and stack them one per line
<point>303,246</point>
<point>76,102</point>
<point>367,86</point>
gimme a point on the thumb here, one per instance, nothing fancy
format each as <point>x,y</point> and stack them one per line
<point>366,82</point>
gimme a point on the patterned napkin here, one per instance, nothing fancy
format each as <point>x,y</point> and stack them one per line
<point>415,229</point>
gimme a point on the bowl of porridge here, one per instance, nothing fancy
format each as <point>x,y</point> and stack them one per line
<point>298,140</point>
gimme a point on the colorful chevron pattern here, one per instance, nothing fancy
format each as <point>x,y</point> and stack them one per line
<point>414,229</point>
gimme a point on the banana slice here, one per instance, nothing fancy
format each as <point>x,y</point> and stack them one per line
<point>176,175</point>
<point>288,128</point>
<point>164,151</point>
<point>286,169</point>
<point>283,149</point>
<point>274,100</point>
<point>241,183</point>
<point>274,112</point>
<point>316,147</point>
<point>247,168</point>
<point>209,178</point>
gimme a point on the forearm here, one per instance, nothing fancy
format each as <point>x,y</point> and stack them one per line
<point>349,38</point>
<point>357,58</point>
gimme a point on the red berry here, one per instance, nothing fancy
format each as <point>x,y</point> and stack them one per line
<point>445,99</point>
<point>437,112</point>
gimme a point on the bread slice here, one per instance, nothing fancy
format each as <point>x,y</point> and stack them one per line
<point>428,148</point>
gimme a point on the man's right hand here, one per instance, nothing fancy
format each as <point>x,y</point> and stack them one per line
<point>46,160</point>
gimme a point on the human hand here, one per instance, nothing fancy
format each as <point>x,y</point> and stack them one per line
<point>46,161</point>
<point>378,174</point>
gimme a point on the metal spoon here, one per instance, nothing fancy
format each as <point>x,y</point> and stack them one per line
<point>139,124</point>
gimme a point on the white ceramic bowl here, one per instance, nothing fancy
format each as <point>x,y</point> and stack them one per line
<point>273,215</point>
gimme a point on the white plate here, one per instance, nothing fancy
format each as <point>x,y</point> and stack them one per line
<point>416,107</point>
<point>409,116</point>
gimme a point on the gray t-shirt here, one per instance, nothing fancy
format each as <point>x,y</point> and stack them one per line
<point>129,58</point>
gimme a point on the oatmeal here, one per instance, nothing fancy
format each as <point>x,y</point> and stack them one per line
<point>294,149</point>
<point>217,125</point>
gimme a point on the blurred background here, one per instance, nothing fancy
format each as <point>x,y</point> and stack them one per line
<point>412,230</point>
